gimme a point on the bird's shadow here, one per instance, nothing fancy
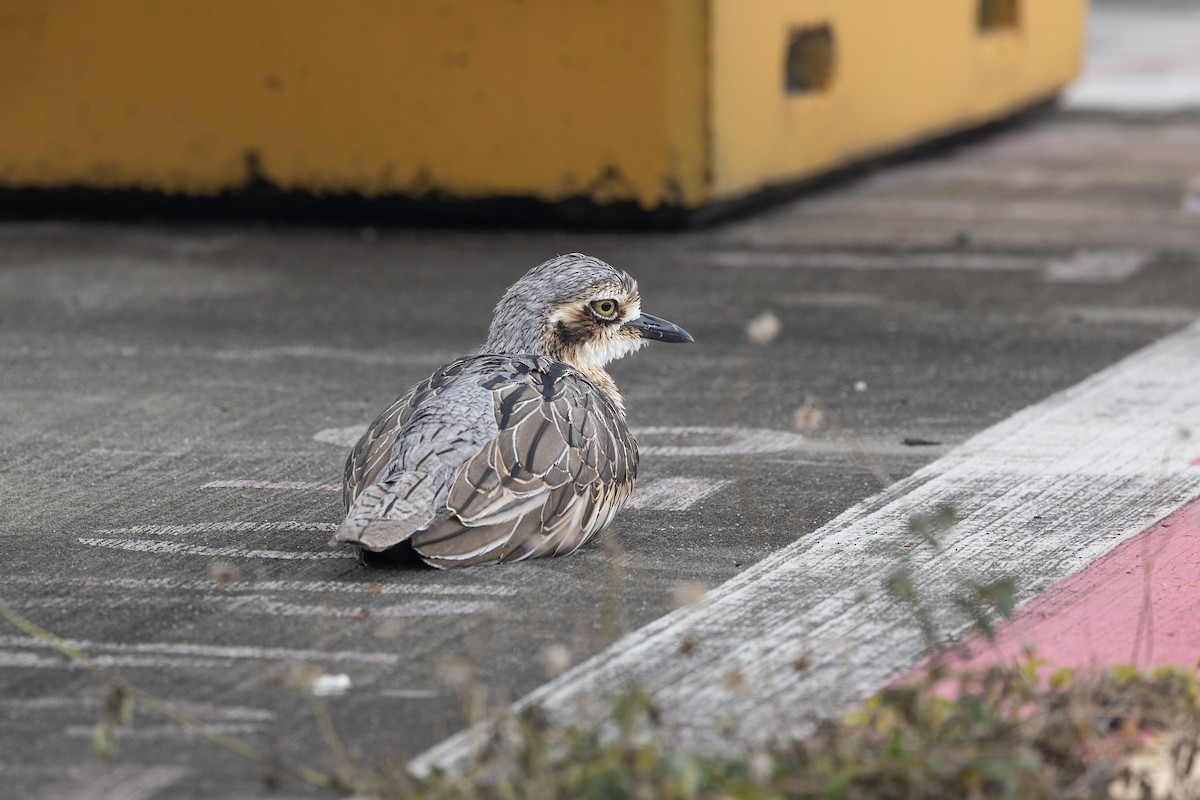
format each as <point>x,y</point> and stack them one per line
<point>401,557</point>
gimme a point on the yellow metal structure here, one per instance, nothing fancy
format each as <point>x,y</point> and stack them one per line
<point>661,103</point>
<point>903,72</point>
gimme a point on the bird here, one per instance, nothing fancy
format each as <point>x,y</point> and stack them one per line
<point>518,451</point>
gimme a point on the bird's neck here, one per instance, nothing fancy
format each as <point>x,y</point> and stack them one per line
<point>588,361</point>
<point>594,373</point>
<point>514,339</point>
<point>599,377</point>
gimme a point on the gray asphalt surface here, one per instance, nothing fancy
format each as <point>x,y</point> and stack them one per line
<point>140,364</point>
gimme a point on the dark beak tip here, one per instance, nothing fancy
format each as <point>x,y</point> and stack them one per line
<point>659,329</point>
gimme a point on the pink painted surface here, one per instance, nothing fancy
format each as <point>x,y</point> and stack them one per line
<point>1137,604</point>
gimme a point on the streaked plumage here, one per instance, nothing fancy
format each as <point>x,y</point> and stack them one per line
<point>520,451</point>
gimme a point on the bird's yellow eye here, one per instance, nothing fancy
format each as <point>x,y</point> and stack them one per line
<point>605,308</point>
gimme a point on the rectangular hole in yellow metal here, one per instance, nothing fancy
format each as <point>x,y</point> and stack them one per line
<point>997,15</point>
<point>811,60</point>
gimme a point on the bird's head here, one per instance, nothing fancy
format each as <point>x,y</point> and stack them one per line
<point>578,310</point>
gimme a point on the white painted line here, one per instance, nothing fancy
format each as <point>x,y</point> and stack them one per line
<point>22,660</point>
<point>865,260</point>
<point>409,694</point>
<point>679,441</point>
<point>209,711</point>
<point>1039,496</point>
<point>320,587</point>
<point>202,711</point>
<point>674,494</point>
<point>695,440</point>
<point>667,494</point>
<point>233,551</point>
<point>298,486</point>
<point>419,358</point>
<point>259,604</point>
<point>214,651</point>
<point>342,437</point>
<point>1096,266</point>
<point>223,527</point>
<point>166,731</point>
<point>48,701</point>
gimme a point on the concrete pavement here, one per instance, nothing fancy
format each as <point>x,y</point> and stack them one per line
<point>144,369</point>
<point>174,404</point>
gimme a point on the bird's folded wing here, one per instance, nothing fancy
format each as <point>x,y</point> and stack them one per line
<point>491,458</point>
<point>560,465</point>
<point>385,514</point>
<point>373,453</point>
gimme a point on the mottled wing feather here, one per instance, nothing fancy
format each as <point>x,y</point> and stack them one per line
<point>544,485</point>
<point>374,450</point>
<point>386,513</point>
<point>546,466</point>
<point>398,473</point>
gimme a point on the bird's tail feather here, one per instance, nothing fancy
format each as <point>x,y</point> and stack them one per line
<point>386,514</point>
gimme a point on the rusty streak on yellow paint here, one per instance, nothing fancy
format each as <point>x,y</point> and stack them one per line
<point>675,102</point>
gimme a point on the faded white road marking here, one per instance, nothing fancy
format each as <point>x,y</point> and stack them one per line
<point>96,649</point>
<point>166,731</point>
<point>1096,266</point>
<point>225,527</point>
<point>203,711</point>
<point>208,711</point>
<point>664,494</point>
<point>321,587</point>
<point>410,694</point>
<point>414,358</point>
<point>300,486</point>
<point>36,661</point>
<point>1039,496</point>
<point>260,604</point>
<point>1093,266</point>
<point>686,440</point>
<point>342,437</point>
<point>232,551</point>
<point>843,259</point>
<point>674,494</point>
<point>708,441</point>
<point>846,300</point>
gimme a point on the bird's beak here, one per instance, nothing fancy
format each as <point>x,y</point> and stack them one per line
<point>651,327</point>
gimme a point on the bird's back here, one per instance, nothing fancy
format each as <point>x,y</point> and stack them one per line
<point>493,458</point>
